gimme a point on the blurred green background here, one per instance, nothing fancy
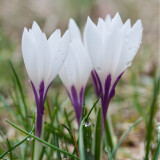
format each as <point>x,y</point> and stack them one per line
<point>135,85</point>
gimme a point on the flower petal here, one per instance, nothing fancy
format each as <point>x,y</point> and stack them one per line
<point>94,45</point>
<point>74,30</point>
<point>59,52</point>
<point>29,56</point>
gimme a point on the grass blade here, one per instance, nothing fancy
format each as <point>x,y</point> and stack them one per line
<point>107,148</point>
<point>124,136</point>
<point>151,116</point>
<point>97,140</point>
<point>42,141</point>
<point>87,116</point>
<point>157,151</point>
<point>57,145</point>
<point>109,133</point>
<point>81,143</point>
<point>20,88</point>
<point>13,147</point>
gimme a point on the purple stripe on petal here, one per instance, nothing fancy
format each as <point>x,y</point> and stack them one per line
<point>77,102</point>
<point>41,102</point>
<point>107,94</point>
<point>112,92</point>
<point>40,99</point>
<point>97,83</point>
<point>44,97</point>
<point>105,97</point>
<point>81,97</point>
<point>107,86</point>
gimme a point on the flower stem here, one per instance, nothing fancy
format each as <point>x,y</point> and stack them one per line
<point>109,132</point>
<point>39,133</point>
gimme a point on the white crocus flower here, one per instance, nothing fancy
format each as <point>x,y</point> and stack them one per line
<point>76,69</point>
<point>112,46</point>
<point>43,59</point>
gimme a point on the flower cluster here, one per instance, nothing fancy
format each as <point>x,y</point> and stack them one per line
<point>106,51</point>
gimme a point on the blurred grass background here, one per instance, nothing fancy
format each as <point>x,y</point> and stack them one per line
<point>134,91</point>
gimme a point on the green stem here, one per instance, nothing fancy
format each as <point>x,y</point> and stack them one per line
<point>109,133</point>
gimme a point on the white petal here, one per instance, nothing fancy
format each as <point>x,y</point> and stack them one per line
<point>130,47</point>
<point>116,21</point>
<point>136,37</point>
<point>94,45</point>
<point>59,55</point>
<point>35,28</point>
<point>102,28</point>
<point>29,56</point>
<point>74,30</point>
<point>77,67</point>
<point>108,22</point>
<point>127,26</point>
<point>112,53</point>
<point>54,40</point>
<point>108,19</point>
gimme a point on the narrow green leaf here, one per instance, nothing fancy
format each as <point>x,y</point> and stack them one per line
<point>42,141</point>
<point>8,107</point>
<point>57,145</point>
<point>97,138</point>
<point>67,119</point>
<point>151,116</point>
<point>81,140</point>
<point>69,131</point>
<point>109,133</point>
<point>9,146</point>
<point>93,107</point>
<point>20,90</point>
<point>124,136</point>
<point>81,143</point>
<point>14,146</point>
<point>157,151</point>
<point>108,148</point>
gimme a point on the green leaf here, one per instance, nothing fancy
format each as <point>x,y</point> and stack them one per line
<point>81,140</point>
<point>9,146</point>
<point>109,133</point>
<point>107,148</point>
<point>81,143</point>
<point>124,136</point>
<point>151,116</point>
<point>20,91</point>
<point>14,146</point>
<point>57,145</point>
<point>87,116</point>
<point>42,141</point>
<point>98,137</point>
<point>157,151</point>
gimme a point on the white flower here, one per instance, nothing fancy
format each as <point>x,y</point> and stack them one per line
<point>76,69</point>
<point>43,59</point>
<point>112,46</point>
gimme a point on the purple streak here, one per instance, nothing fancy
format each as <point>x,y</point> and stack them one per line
<point>112,92</point>
<point>40,99</point>
<point>108,92</point>
<point>97,83</point>
<point>105,97</point>
<point>77,102</point>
